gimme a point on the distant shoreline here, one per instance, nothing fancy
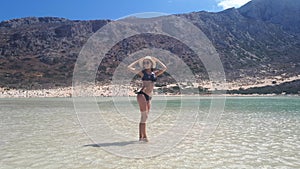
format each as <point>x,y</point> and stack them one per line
<point>105,91</point>
<point>238,88</point>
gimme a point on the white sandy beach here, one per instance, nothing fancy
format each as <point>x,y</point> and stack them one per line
<point>126,90</point>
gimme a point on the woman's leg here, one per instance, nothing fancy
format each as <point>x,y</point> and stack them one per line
<point>144,124</point>
<point>143,104</point>
<point>144,115</point>
<point>148,106</point>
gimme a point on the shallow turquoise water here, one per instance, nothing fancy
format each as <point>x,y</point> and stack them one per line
<point>252,132</point>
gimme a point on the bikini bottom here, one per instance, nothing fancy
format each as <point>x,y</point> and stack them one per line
<point>146,96</point>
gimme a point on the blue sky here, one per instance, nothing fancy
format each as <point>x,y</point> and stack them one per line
<point>107,9</point>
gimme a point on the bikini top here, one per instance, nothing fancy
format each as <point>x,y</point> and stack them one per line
<point>148,77</point>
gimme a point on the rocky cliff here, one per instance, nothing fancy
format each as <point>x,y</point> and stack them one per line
<point>258,40</point>
<point>41,52</point>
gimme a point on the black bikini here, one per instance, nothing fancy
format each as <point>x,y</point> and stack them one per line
<point>147,77</point>
<point>147,97</point>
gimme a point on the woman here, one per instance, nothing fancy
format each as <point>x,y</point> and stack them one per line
<point>148,75</point>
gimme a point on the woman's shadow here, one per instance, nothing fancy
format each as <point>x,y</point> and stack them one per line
<point>122,143</point>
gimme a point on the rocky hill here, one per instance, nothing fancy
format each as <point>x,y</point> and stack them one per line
<point>258,40</point>
<point>41,52</point>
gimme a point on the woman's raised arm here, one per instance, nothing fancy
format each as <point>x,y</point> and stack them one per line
<point>164,67</point>
<point>132,68</point>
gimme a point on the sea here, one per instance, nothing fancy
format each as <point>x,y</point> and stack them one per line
<point>183,132</point>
